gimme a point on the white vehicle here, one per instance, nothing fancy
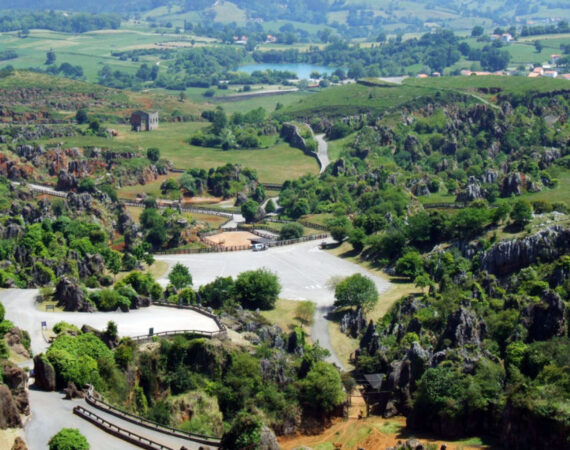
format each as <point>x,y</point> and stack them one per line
<point>259,247</point>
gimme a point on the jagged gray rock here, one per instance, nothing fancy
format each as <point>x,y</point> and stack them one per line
<point>546,319</point>
<point>353,322</point>
<point>512,185</point>
<point>69,294</point>
<point>44,373</point>
<point>463,327</point>
<point>510,256</point>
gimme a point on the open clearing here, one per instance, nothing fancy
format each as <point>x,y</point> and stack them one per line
<point>370,433</point>
<point>232,238</point>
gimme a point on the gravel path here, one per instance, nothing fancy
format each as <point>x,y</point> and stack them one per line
<point>303,269</point>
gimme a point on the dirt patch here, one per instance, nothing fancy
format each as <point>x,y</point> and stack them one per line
<point>370,433</point>
<point>201,200</point>
<point>232,238</point>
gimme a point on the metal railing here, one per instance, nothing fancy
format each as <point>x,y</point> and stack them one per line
<point>117,431</point>
<point>150,424</point>
<point>193,209</point>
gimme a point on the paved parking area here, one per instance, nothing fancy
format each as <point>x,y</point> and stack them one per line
<point>304,271</point>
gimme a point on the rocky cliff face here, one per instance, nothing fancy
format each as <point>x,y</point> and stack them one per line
<point>14,400</point>
<point>510,256</point>
<point>463,327</point>
<point>290,133</point>
<point>69,294</point>
<point>44,373</point>
<point>546,319</point>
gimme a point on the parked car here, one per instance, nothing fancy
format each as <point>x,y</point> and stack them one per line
<point>259,247</point>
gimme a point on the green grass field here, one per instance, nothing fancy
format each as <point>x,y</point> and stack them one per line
<point>356,99</point>
<point>275,164</point>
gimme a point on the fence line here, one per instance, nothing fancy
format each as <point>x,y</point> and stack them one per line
<point>198,309</point>
<point>457,205</point>
<point>194,209</point>
<point>117,431</point>
<point>146,423</point>
<point>272,186</point>
<point>48,192</point>
<point>315,226</point>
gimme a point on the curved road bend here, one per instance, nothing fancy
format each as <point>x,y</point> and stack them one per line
<point>323,152</point>
<point>22,310</point>
<point>49,412</point>
<point>303,269</point>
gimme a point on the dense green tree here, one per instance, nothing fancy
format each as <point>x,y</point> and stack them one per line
<point>68,439</point>
<point>270,206</point>
<point>180,276</point>
<point>81,116</point>
<point>244,433</point>
<point>300,208</point>
<point>249,210</point>
<point>521,213</point>
<point>356,290</point>
<point>339,227</point>
<point>410,265</point>
<point>322,388</point>
<point>291,231</point>
<point>50,57</point>
<point>217,293</point>
<point>153,154</point>
<point>477,31</point>
<point>257,289</point>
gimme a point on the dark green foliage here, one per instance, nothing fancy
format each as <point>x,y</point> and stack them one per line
<point>521,213</point>
<point>357,239</point>
<point>245,432</point>
<point>356,290</point>
<point>322,388</point>
<point>249,210</point>
<point>68,439</point>
<point>180,276</point>
<point>160,413</point>
<point>291,231</point>
<point>410,265</point>
<point>218,293</point>
<point>339,227</point>
<point>153,154</point>
<point>257,289</point>
<point>270,206</point>
<point>81,116</point>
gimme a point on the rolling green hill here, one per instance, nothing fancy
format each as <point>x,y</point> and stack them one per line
<point>371,96</point>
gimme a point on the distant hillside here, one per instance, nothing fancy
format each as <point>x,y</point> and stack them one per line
<point>365,16</point>
<point>97,6</point>
<point>375,97</point>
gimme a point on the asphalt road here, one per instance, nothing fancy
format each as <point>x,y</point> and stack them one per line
<point>323,152</point>
<point>50,412</point>
<point>22,310</point>
<point>304,271</point>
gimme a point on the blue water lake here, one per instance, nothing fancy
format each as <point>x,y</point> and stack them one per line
<point>303,71</point>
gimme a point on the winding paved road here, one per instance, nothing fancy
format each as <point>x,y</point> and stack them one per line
<point>323,152</point>
<point>22,310</point>
<point>49,411</point>
<point>304,271</point>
